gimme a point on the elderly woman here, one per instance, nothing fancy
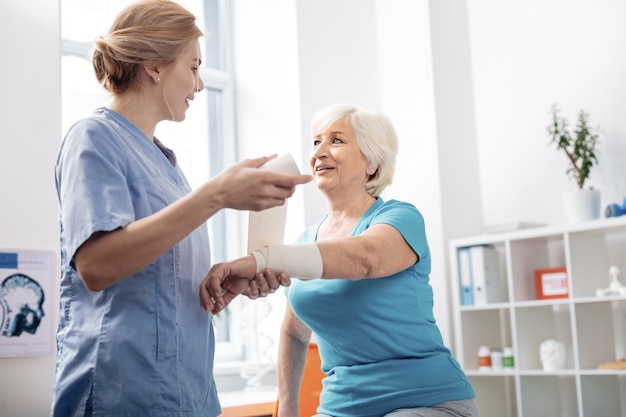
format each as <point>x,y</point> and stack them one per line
<point>372,307</point>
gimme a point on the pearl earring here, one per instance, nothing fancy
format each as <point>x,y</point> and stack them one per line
<point>158,79</point>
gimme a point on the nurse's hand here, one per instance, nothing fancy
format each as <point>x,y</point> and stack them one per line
<point>246,186</point>
<point>227,280</point>
<point>266,283</point>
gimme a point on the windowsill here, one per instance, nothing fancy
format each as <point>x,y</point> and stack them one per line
<point>248,397</point>
<point>229,368</point>
<point>228,379</point>
<point>238,400</point>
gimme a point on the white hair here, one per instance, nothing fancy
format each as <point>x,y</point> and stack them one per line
<point>375,136</point>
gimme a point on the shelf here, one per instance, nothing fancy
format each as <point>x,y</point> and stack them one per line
<point>592,329</point>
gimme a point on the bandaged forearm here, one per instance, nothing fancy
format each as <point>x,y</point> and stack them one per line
<point>300,260</point>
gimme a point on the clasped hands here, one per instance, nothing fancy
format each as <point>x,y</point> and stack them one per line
<point>227,280</point>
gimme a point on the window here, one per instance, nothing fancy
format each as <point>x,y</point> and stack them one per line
<point>203,143</point>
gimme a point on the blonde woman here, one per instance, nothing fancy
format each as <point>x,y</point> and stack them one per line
<point>134,244</point>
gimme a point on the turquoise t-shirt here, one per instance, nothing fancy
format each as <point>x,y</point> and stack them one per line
<point>378,340</point>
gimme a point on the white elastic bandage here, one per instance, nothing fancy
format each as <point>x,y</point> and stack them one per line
<point>301,260</point>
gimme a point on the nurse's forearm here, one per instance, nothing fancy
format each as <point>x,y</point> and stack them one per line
<point>108,257</point>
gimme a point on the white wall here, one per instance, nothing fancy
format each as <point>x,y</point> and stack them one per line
<point>526,56</point>
<point>30,122</point>
<point>467,84</point>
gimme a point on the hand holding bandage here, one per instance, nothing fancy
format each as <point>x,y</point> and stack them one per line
<point>227,280</point>
<point>267,227</point>
<point>269,256</point>
<point>266,230</point>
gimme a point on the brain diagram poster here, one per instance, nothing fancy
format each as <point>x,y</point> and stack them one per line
<point>26,279</point>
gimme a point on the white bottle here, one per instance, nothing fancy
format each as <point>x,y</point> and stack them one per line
<point>484,358</point>
<point>496,359</point>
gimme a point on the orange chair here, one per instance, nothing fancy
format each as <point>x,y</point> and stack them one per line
<point>311,384</point>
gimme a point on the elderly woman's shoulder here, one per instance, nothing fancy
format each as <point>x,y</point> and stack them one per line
<point>400,206</point>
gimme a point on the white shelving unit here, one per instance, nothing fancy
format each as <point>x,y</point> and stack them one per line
<point>592,328</point>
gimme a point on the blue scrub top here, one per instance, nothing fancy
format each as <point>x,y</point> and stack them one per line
<point>143,346</point>
<point>378,340</point>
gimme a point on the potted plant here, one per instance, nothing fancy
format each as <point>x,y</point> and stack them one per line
<point>580,148</point>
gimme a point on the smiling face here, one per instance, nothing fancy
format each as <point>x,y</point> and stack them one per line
<point>337,162</point>
<point>181,81</point>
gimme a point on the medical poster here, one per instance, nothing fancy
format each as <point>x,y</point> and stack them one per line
<point>26,316</point>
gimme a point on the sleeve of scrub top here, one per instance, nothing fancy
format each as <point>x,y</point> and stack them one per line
<point>92,185</point>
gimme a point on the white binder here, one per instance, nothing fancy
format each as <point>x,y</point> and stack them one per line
<point>485,271</point>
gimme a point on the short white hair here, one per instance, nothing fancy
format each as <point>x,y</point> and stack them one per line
<point>375,136</point>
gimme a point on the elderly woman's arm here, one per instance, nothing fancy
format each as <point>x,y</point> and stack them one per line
<point>295,337</point>
<point>378,252</point>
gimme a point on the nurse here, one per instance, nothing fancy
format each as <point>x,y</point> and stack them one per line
<point>132,340</point>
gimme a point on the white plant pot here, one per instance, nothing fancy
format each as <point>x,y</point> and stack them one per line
<point>581,205</point>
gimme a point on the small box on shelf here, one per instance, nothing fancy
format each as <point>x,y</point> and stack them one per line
<point>551,283</point>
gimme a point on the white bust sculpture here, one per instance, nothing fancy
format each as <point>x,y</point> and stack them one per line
<point>552,355</point>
